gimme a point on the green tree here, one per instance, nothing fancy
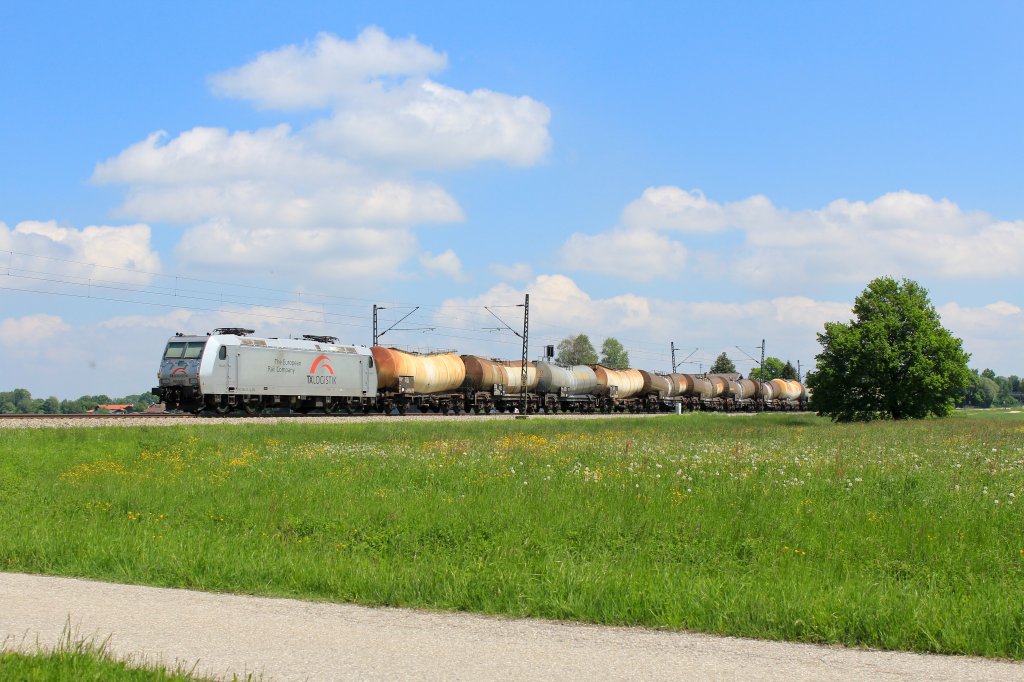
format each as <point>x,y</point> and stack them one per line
<point>772,370</point>
<point>613,355</point>
<point>788,371</point>
<point>989,391</point>
<point>723,365</point>
<point>894,359</point>
<point>71,407</point>
<point>576,350</point>
<point>23,402</point>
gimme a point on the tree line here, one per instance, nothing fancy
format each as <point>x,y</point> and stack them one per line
<point>985,389</point>
<point>20,401</point>
<point>578,350</point>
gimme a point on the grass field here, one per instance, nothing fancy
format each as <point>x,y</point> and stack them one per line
<point>891,535</point>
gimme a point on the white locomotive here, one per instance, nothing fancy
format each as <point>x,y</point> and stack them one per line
<point>228,370</point>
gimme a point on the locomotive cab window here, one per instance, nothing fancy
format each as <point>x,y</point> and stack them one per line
<point>185,350</point>
<point>175,349</point>
<point>223,352</point>
<point>194,350</point>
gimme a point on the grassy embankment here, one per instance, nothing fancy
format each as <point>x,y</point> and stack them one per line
<point>892,535</point>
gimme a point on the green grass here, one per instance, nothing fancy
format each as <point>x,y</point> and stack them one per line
<point>891,535</point>
<point>78,660</point>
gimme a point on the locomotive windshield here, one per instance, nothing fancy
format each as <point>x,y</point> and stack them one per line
<point>186,350</point>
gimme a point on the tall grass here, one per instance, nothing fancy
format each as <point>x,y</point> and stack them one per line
<point>891,535</point>
<point>86,659</point>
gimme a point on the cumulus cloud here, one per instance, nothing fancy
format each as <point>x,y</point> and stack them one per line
<point>30,330</point>
<point>429,125</point>
<point>100,253</point>
<point>446,263</point>
<point>203,155</point>
<point>900,233</point>
<point>991,333</point>
<point>637,254</point>
<point>384,106</point>
<point>328,70</point>
<point>513,272</point>
<point>357,253</point>
<point>340,194</point>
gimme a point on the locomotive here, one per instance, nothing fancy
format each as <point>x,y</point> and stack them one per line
<point>230,370</point>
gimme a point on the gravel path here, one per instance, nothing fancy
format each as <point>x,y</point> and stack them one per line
<point>286,639</point>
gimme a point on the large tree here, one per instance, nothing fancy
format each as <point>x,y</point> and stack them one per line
<point>894,359</point>
<point>613,354</point>
<point>723,365</point>
<point>576,350</point>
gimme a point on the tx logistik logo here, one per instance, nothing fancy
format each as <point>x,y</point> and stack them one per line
<point>322,362</point>
<point>178,370</point>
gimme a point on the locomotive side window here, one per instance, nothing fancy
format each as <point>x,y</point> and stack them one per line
<point>223,353</point>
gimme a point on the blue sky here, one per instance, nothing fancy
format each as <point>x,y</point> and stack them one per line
<point>708,174</point>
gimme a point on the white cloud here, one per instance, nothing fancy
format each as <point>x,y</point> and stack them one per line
<point>429,125</point>
<point>513,272</point>
<point>446,263</point>
<point>900,234</point>
<point>991,333</point>
<point>327,71</point>
<point>101,253</point>
<point>305,254</point>
<point>203,155</point>
<point>672,208</point>
<point>265,178</point>
<point>637,254</point>
<point>384,107</point>
<point>29,331</point>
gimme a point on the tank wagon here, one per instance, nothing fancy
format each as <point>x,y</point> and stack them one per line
<point>230,370</point>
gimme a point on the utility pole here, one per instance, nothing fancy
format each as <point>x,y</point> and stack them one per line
<point>673,357</point>
<point>375,324</point>
<point>376,336</point>
<point>799,374</point>
<point>762,357</point>
<point>526,345</point>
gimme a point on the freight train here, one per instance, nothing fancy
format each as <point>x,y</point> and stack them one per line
<point>230,370</point>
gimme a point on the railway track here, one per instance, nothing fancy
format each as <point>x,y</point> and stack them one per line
<point>139,415</point>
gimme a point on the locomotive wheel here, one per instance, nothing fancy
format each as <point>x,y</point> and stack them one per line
<point>222,408</point>
<point>251,407</point>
